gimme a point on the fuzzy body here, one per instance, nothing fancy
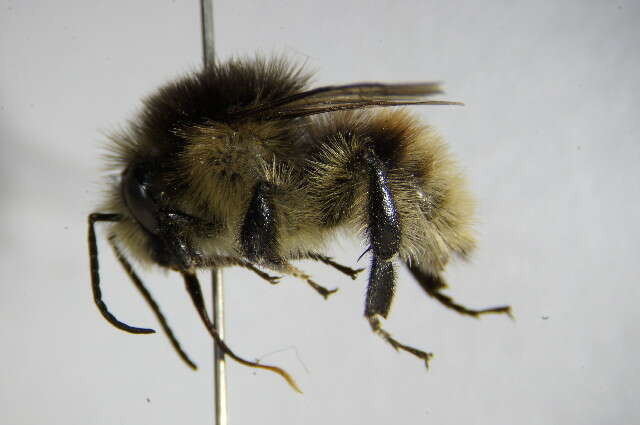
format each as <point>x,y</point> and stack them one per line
<point>242,165</point>
<point>205,163</point>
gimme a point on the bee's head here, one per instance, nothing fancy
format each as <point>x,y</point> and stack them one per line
<point>144,195</point>
<point>140,196</point>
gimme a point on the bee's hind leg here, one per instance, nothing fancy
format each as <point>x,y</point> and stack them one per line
<point>384,237</point>
<point>432,284</point>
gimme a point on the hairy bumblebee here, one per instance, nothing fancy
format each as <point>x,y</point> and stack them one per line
<point>241,164</point>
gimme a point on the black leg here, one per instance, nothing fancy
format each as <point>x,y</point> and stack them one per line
<point>193,288</point>
<point>352,273</point>
<point>274,280</point>
<point>281,266</point>
<point>433,284</point>
<point>224,261</point>
<point>152,303</point>
<point>95,275</point>
<point>384,223</point>
<point>258,235</point>
<point>384,237</point>
<point>381,288</point>
<point>289,269</point>
<point>374,321</point>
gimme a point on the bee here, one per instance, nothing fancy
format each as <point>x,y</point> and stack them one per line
<point>242,164</point>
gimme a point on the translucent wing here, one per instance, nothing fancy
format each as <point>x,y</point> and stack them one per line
<point>341,98</point>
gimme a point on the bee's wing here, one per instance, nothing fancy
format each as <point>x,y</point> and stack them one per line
<point>341,98</point>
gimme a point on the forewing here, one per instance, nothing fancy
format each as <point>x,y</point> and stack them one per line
<point>340,98</point>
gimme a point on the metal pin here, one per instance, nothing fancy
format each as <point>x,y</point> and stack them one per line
<point>208,46</point>
<point>219,366</point>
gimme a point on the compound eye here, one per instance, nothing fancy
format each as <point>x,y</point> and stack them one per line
<point>137,193</point>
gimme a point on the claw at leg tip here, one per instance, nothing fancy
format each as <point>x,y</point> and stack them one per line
<point>326,294</point>
<point>509,313</point>
<point>355,273</point>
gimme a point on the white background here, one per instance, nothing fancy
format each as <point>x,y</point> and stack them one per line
<point>549,139</point>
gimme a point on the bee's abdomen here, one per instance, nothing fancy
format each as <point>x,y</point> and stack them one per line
<point>433,210</point>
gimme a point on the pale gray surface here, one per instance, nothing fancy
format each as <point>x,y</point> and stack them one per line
<point>549,138</point>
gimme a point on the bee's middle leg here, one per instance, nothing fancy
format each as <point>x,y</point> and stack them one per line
<point>259,237</point>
